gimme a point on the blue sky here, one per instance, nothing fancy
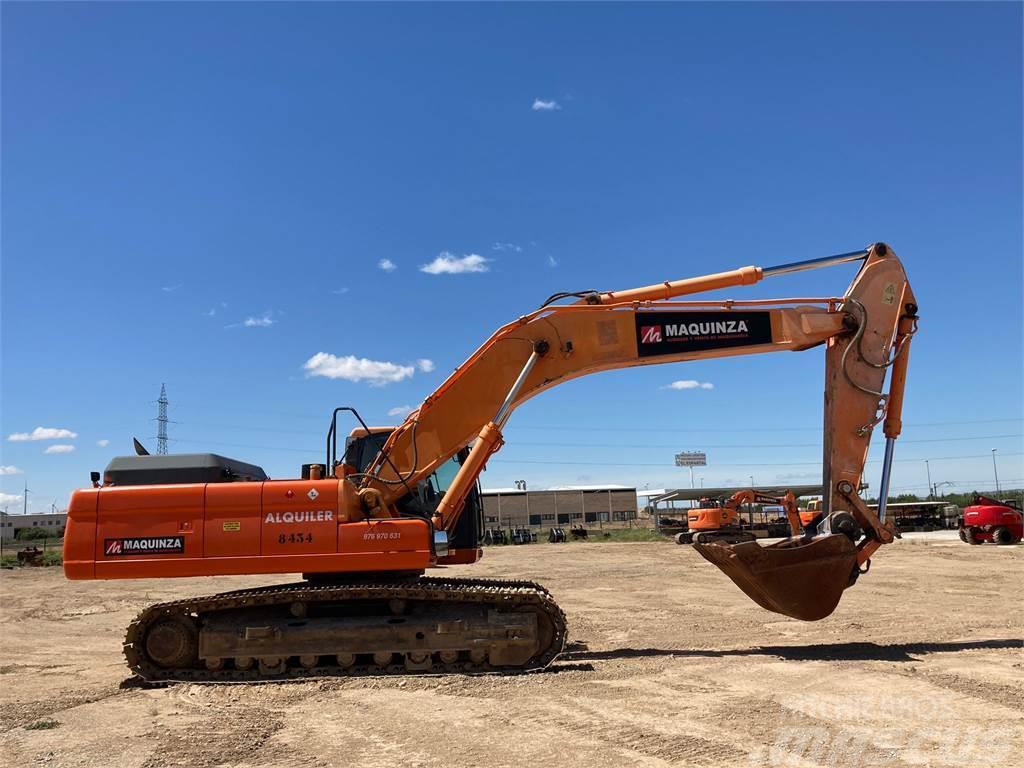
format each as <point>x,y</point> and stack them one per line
<point>205,194</point>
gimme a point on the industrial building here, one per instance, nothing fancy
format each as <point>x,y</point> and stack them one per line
<point>570,505</point>
<point>53,523</point>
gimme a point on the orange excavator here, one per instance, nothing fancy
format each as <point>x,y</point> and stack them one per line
<point>716,521</point>
<point>365,525</point>
<point>809,517</point>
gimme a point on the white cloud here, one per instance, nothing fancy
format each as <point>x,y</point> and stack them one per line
<point>425,365</point>
<point>541,105</point>
<point>387,265</point>
<point>10,469</point>
<point>401,410</point>
<point>552,261</point>
<point>352,368</point>
<point>263,321</point>
<point>9,498</point>
<point>340,291</point>
<point>212,312</point>
<point>60,449</point>
<point>103,443</point>
<point>690,384</point>
<point>507,247</point>
<point>450,264</point>
<point>43,433</point>
<point>170,288</point>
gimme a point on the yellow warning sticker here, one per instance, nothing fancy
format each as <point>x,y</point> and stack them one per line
<point>232,525</point>
<point>889,293</point>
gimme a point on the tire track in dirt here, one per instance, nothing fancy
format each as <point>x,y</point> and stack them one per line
<point>632,737</point>
<point>19,713</point>
<point>1008,696</point>
<point>218,740</point>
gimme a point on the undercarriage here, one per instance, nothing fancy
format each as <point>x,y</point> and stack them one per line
<point>416,626</point>
<point>727,535</point>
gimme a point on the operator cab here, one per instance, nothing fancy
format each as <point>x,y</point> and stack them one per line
<point>362,447</point>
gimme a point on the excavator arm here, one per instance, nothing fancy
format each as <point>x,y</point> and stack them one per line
<point>865,332</point>
<point>787,502</point>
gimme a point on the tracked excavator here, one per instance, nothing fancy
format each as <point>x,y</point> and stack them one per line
<point>718,522</point>
<point>364,526</point>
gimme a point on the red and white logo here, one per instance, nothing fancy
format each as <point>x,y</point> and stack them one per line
<point>650,334</point>
<point>144,545</point>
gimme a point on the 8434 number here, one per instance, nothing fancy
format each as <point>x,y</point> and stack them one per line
<point>295,538</point>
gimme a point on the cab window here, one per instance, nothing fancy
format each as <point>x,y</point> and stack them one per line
<point>443,476</point>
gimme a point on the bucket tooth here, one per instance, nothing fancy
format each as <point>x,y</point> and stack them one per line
<point>800,578</point>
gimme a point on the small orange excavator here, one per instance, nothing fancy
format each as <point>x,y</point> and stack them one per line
<point>364,526</point>
<point>716,521</point>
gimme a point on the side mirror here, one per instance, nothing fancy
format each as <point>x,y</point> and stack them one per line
<point>95,477</point>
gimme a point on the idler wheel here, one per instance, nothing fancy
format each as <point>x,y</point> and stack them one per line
<point>172,643</point>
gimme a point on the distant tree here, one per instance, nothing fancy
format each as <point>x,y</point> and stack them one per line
<point>903,498</point>
<point>32,534</point>
<point>960,499</point>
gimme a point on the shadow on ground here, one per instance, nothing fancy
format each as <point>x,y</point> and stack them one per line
<point>830,652</point>
<point>577,657</point>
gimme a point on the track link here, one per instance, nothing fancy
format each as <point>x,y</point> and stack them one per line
<point>514,595</point>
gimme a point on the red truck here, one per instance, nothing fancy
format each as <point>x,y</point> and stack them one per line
<point>1001,522</point>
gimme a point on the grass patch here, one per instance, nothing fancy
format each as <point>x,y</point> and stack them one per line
<point>50,557</point>
<point>53,557</point>
<point>42,725</point>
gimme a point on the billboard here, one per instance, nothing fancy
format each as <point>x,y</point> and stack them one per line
<point>691,459</point>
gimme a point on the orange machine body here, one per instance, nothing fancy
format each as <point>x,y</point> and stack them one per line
<point>710,516</point>
<point>213,529</point>
<point>714,514</point>
<point>809,516</point>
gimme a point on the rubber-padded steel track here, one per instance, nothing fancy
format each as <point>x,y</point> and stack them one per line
<point>504,594</point>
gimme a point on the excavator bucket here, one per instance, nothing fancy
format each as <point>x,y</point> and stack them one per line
<point>801,578</point>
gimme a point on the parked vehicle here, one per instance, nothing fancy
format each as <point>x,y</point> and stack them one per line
<point>1001,522</point>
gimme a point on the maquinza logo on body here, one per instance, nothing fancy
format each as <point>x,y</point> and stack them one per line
<point>144,545</point>
<point>650,334</point>
<point>706,329</point>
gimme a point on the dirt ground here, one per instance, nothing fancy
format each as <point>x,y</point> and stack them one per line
<point>669,664</point>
